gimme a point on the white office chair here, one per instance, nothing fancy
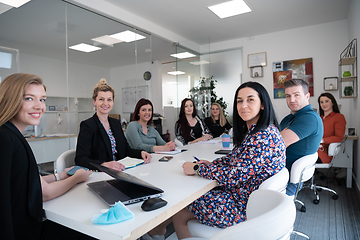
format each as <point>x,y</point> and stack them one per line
<point>277,182</point>
<point>178,143</point>
<point>66,159</point>
<point>301,171</point>
<point>333,150</point>
<point>270,215</point>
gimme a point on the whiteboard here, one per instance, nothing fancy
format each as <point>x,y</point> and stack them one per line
<point>131,95</point>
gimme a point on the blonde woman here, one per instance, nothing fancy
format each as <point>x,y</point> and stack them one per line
<point>217,123</point>
<point>22,189</point>
<point>101,139</point>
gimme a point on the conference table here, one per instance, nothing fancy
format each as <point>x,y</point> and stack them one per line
<point>76,207</point>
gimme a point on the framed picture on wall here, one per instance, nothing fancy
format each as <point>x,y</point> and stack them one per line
<point>256,72</point>
<point>257,59</point>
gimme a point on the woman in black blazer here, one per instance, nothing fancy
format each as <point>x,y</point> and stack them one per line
<point>22,190</point>
<point>101,139</point>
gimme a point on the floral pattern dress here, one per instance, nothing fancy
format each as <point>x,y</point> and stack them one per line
<point>238,174</point>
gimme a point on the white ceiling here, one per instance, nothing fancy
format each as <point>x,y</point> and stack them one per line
<point>192,19</point>
<point>38,26</point>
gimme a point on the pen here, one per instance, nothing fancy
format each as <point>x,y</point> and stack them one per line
<point>196,158</point>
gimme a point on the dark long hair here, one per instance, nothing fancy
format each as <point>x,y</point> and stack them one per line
<point>332,98</point>
<point>140,103</point>
<point>184,124</point>
<point>267,115</point>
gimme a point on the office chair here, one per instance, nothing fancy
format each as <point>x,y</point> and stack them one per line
<point>66,159</point>
<point>178,143</point>
<point>270,215</point>
<point>276,182</point>
<point>333,150</point>
<point>301,171</point>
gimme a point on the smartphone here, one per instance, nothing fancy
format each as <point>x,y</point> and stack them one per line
<point>165,159</point>
<point>74,169</point>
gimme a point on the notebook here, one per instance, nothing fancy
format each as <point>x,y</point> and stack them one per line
<point>129,162</point>
<point>124,187</point>
<point>176,151</point>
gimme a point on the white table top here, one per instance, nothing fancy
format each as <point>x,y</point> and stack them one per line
<point>75,208</point>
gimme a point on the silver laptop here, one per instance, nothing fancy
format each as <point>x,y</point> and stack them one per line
<point>124,187</point>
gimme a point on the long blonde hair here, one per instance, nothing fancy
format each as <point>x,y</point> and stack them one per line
<point>221,115</point>
<point>12,90</point>
<point>102,86</point>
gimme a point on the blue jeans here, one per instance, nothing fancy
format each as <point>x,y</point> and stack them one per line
<point>291,188</point>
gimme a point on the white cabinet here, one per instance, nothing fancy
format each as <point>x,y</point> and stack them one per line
<point>63,117</point>
<point>48,149</point>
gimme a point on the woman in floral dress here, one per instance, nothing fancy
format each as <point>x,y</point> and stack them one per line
<point>258,153</point>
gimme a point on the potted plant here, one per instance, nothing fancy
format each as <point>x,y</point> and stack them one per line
<point>204,95</point>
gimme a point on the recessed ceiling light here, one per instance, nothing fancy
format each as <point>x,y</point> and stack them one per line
<point>107,40</point>
<point>82,47</point>
<point>176,73</point>
<point>127,36</point>
<point>201,62</point>
<point>183,55</point>
<point>14,3</point>
<point>229,9</point>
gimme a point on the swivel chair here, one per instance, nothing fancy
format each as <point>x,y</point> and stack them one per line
<point>277,182</point>
<point>301,171</point>
<point>333,150</point>
<point>66,159</point>
<point>271,211</point>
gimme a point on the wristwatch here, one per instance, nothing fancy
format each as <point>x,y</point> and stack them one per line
<point>57,177</point>
<point>196,168</point>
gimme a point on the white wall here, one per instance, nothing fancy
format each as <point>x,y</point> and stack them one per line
<point>354,105</point>
<point>322,42</point>
<point>131,76</point>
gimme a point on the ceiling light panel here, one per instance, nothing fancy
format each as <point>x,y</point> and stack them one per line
<point>229,9</point>
<point>176,73</point>
<point>107,40</point>
<point>127,36</point>
<point>14,3</point>
<point>183,55</point>
<point>82,47</point>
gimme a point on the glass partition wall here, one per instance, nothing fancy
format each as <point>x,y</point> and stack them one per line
<point>42,36</point>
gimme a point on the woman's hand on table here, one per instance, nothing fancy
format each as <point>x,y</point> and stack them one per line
<point>189,168</point>
<point>82,175</point>
<point>114,165</point>
<point>170,146</point>
<point>206,162</point>
<point>146,156</point>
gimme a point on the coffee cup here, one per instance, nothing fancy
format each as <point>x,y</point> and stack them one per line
<point>225,140</point>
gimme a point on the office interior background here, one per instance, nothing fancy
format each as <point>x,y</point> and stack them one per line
<point>37,37</point>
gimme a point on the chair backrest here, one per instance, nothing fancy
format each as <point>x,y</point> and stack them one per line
<point>303,168</point>
<point>178,143</point>
<point>334,149</point>
<point>277,182</point>
<point>66,159</point>
<point>270,215</point>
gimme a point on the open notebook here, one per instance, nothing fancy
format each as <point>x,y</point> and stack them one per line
<point>129,162</point>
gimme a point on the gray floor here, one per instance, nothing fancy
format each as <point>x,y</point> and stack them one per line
<point>330,219</point>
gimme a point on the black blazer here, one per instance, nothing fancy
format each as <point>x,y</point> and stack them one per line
<point>20,188</point>
<point>93,143</point>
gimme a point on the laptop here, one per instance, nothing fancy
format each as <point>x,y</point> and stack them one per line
<point>124,187</point>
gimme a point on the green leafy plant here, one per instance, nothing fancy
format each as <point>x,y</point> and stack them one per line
<point>200,95</point>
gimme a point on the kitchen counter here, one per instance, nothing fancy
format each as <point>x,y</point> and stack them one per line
<point>48,148</point>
